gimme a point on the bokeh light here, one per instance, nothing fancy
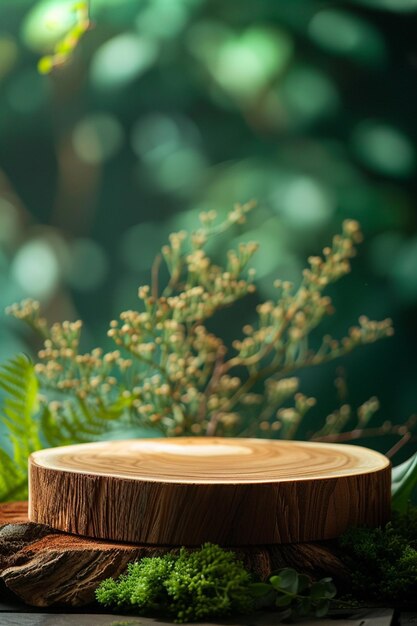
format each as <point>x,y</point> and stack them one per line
<point>384,148</point>
<point>404,270</point>
<point>9,222</point>
<point>46,23</point>
<point>97,138</point>
<point>24,83</point>
<point>162,18</point>
<point>305,203</point>
<point>157,136</point>
<point>88,265</point>
<point>8,54</point>
<point>322,101</point>
<point>122,59</point>
<point>241,64</point>
<point>346,34</point>
<point>36,268</point>
<point>142,243</point>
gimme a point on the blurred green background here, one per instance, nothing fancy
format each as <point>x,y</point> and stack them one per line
<point>170,107</point>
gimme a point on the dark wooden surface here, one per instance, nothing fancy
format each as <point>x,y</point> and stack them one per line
<point>16,614</point>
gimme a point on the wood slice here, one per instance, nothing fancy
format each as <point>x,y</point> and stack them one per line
<point>45,567</point>
<point>185,491</point>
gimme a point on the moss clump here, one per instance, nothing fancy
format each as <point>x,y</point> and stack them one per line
<point>383,561</point>
<point>188,587</point>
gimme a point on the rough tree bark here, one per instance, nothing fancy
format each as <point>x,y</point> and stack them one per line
<point>44,567</point>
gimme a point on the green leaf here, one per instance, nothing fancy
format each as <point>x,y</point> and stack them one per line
<point>303,583</point>
<point>303,607</point>
<point>404,482</point>
<point>287,579</point>
<point>259,590</point>
<point>282,601</point>
<point>318,591</point>
<point>275,581</point>
<point>20,404</point>
<point>330,589</point>
<point>322,608</point>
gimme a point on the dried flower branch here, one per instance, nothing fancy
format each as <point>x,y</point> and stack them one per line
<point>170,372</point>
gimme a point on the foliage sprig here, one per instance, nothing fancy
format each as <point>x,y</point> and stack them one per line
<point>171,373</point>
<point>295,594</point>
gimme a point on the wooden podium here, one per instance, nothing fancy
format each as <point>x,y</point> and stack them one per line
<point>185,491</point>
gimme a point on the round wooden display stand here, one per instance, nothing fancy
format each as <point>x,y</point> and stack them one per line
<point>185,491</point>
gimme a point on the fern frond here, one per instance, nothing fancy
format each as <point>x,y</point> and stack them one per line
<point>10,478</point>
<point>17,416</point>
<point>79,422</point>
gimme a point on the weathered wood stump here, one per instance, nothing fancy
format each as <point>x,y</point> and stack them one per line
<point>185,491</point>
<point>45,567</point>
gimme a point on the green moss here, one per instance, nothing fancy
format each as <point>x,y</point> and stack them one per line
<point>383,561</point>
<point>191,586</point>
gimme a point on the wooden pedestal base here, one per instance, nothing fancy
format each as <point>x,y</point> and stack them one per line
<point>44,567</point>
<point>189,490</point>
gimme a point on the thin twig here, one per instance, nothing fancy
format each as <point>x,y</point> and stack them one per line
<point>351,435</point>
<point>155,275</point>
<point>217,372</point>
<point>406,432</point>
<point>404,439</point>
<point>361,433</point>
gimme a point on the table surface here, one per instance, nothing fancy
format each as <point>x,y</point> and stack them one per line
<point>17,614</point>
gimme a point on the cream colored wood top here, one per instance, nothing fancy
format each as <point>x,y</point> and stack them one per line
<point>212,460</point>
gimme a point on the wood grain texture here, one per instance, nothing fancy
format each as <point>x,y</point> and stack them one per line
<point>186,491</point>
<point>44,567</point>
